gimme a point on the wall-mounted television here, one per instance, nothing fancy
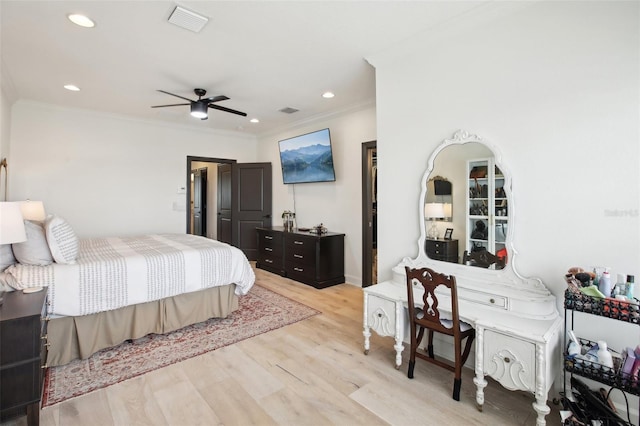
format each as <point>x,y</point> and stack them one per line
<point>307,158</point>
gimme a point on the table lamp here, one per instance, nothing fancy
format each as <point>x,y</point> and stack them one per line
<point>433,211</point>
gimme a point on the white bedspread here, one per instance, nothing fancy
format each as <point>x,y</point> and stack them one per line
<point>114,272</point>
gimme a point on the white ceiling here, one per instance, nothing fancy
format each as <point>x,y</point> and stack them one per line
<point>264,55</point>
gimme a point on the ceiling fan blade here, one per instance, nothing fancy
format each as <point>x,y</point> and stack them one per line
<point>217,98</point>
<point>162,106</point>
<point>177,96</point>
<point>232,111</point>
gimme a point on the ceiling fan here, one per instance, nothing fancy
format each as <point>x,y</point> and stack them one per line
<point>200,107</point>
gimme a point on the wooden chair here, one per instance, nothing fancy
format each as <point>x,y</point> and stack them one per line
<point>482,259</point>
<point>429,318</point>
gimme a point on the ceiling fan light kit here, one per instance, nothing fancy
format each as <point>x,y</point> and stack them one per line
<point>199,110</point>
<point>200,107</point>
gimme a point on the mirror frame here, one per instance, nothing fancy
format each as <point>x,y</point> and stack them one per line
<point>468,276</point>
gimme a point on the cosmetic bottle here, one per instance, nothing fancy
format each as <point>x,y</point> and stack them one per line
<point>604,356</point>
<point>605,283</point>
<point>630,284</point>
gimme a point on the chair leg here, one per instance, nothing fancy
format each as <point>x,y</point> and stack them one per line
<point>430,346</point>
<point>467,349</point>
<point>456,389</point>
<point>410,372</point>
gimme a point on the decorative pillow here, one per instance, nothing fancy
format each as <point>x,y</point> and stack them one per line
<point>6,256</point>
<point>7,282</point>
<point>34,251</point>
<point>62,240</point>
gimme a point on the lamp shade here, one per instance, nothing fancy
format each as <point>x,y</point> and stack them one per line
<point>11,223</point>
<point>434,210</point>
<point>32,210</point>
<point>448,210</point>
<point>199,109</point>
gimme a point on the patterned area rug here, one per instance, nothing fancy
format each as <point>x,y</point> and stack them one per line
<point>259,311</point>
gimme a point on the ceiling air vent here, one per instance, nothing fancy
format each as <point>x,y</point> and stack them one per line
<point>288,110</point>
<point>187,19</point>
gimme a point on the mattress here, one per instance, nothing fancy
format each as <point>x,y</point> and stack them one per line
<point>111,273</point>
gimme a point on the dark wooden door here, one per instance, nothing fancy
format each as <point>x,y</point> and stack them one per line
<point>200,202</point>
<point>251,204</point>
<point>224,203</point>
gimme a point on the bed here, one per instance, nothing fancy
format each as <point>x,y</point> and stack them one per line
<point>127,287</point>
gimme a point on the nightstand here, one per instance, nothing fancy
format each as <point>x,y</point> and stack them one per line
<point>445,250</point>
<point>23,351</point>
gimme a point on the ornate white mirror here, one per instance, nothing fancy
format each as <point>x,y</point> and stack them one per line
<point>476,244</point>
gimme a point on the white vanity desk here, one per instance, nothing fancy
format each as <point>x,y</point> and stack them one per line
<point>518,328</point>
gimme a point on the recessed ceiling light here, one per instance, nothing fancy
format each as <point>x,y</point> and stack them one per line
<point>254,120</point>
<point>81,20</point>
<point>72,87</point>
<point>328,95</point>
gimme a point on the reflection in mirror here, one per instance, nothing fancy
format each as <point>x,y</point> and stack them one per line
<point>479,214</point>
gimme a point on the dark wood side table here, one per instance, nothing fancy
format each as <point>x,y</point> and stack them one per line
<point>23,352</point>
<point>445,250</point>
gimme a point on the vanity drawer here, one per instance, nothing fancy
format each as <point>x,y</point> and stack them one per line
<point>510,360</point>
<point>381,315</point>
<point>492,300</point>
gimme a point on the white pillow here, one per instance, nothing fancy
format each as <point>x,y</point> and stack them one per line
<point>6,256</point>
<point>34,251</point>
<point>62,240</point>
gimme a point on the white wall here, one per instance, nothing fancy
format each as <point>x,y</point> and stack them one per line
<point>554,86</point>
<point>109,175</point>
<point>5,135</point>
<point>338,205</point>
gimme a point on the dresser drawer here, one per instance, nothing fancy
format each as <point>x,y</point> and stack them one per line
<point>269,243</point>
<point>300,250</point>
<point>273,261</point>
<point>302,271</point>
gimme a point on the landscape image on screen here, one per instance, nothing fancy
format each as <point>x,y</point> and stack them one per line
<point>307,158</point>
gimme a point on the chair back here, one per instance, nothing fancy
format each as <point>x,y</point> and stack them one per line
<point>429,315</point>
<point>482,259</point>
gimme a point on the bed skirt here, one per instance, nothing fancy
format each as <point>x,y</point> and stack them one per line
<point>71,338</point>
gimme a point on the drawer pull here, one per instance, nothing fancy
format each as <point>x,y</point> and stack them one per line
<point>44,366</point>
<point>45,337</point>
<point>507,360</point>
<point>268,261</point>
<point>268,249</point>
<point>298,242</point>
<point>268,237</point>
<point>298,256</point>
<point>492,300</point>
<point>298,269</point>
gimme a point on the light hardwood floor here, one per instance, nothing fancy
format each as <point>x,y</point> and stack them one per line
<point>313,372</point>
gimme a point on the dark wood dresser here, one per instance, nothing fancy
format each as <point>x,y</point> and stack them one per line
<point>445,250</point>
<point>23,352</point>
<point>317,260</point>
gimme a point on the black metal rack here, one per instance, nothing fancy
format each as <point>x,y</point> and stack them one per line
<point>625,311</point>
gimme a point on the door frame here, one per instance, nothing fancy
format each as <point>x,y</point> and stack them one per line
<point>367,215</point>
<point>191,159</point>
